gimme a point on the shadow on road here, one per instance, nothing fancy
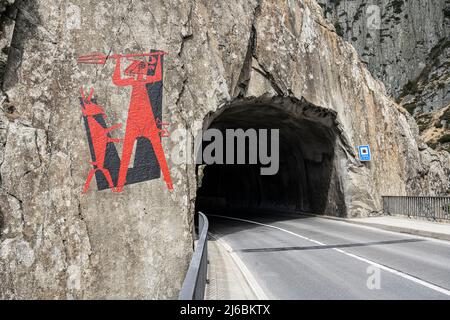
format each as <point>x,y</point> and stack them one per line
<point>347,245</point>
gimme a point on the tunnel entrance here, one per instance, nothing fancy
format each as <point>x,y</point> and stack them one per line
<point>307,179</point>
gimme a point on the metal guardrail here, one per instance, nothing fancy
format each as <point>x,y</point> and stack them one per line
<point>431,208</point>
<point>195,282</point>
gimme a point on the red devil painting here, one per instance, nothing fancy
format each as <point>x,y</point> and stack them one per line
<point>143,125</point>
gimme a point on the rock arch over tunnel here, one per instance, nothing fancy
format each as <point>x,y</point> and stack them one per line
<point>308,175</point>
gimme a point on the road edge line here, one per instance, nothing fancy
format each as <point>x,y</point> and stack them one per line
<point>246,273</point>
<point>385,227</point>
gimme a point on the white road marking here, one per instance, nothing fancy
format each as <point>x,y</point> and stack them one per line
<point>248,276</point>
<point>368,227</point>
<point>383,267</point>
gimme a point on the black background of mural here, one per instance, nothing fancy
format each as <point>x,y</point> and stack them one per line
<point>145,166</point>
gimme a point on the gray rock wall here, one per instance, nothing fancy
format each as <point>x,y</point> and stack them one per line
<point>57,243</point>
<point>395,41</point>
<point>405,44</point>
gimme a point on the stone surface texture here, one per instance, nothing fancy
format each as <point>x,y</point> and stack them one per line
<point>56,242</point>
<point>406,45</point>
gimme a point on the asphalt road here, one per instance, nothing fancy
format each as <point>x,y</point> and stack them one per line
<point>307,257</point>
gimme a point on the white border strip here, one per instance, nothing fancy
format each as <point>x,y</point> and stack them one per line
<point>383,267</point>
<point>248,276</point>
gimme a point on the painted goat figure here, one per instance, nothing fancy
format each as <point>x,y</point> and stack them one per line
<point>99,137</point>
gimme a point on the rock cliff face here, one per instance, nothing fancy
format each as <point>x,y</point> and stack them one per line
<point>406,45</point>
<point>57,243</point>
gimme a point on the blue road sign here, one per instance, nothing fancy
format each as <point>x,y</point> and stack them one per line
<point>364,153</point>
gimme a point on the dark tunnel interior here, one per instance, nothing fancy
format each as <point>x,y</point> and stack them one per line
<point>306,165</point>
